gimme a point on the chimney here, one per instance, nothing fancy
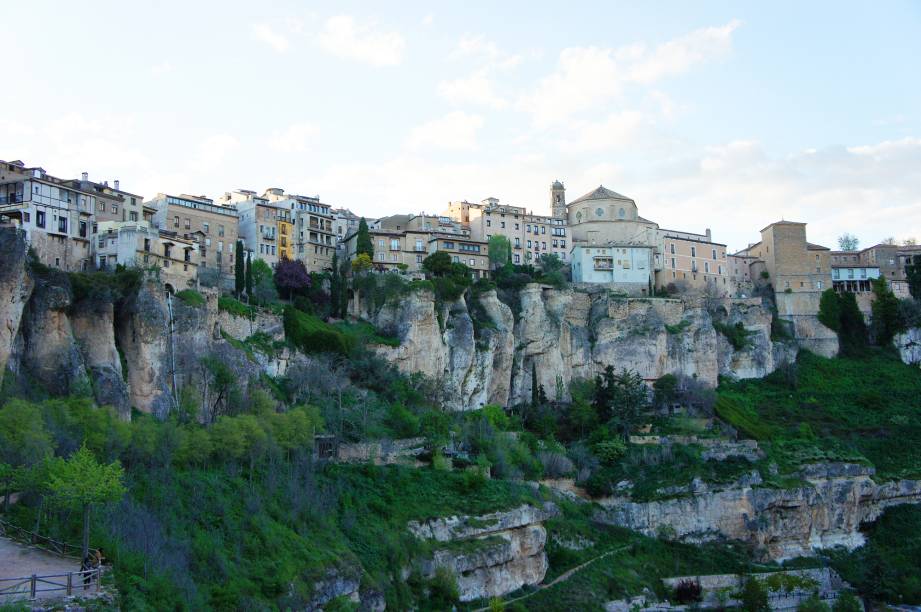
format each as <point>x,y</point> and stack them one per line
<point>709,236</point>
<point>116,184</point>
<point>86,176</point>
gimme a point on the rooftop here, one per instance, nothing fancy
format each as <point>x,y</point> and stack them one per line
<point>602,193</point>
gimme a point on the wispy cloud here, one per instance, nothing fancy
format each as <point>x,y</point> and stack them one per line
<point>266,34</point>
<point>454,131</point>
<point>343,37</point>
<point>295,138</point>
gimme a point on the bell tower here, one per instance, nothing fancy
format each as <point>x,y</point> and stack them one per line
<point>558,200</point>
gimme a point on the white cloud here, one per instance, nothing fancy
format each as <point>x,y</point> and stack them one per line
<point>454,131</point>
<point>476,89</point>
<point>161,68</point>
<point>588,77</point>
<point>265,33</point>
<point>295,138</point>
<point>617,131</point>
<point>212,152</point>
<point>343,37</point>
<point>428,19</point>
<point>480,48</point>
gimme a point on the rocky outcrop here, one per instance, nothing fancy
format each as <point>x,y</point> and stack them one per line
<point>908,344</point>
<point>489,555</point>
<point>562,335</point>
<point>15,289</point>
<point>93,325</point>
<point>782,523</point>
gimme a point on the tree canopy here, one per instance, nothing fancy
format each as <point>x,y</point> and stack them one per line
<point>291,276</point>
<point>848,242</point>
<point>363,242</point>
<point>500,251</point>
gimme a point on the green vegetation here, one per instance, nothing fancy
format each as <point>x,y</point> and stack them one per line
<point>738,336</point>
<point>886,569</point>
<point>191,297</point>
<point>500,251</point>
<point>858,409</point>
<point>311,335</point>
<point>363,244</point>
<point>678,327</point>
<point>105,286</point>
<point>235,307</point>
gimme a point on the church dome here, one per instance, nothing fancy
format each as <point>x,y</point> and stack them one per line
<point>557,185</point>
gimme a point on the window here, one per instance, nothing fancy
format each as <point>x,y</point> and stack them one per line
<point>25,217</point>
<point>147,245</point>
<point>517,242</point>
<point>207,242</point>
<point>175,221</point>
<point>418,259</point>
<point>516,226</point>
<point>543,229</point>
<point>419,246</point>
<point>132,216</point>
<point>62,225</point>
<point>819,285</point>
<point>220,246</point>
<point>562,244</point>
<point>40,218</point>
<point>114,209</point>
<point>706,267</point>
<point>455,259</point>
<point>517,258</point>
<point>673,263</point>
<point>472,262</point>
<point>205,227</point>
<point>488,222</point>
<point>188,223</point>
<point>529,244</point>
<point>818,270</point>
<point>394,244</point>
<point>502,224</point>
<point>83,229</point>
<point>671,248</point>
<point>102,206</point>
<point>693,251</point>
<point>714,253</point>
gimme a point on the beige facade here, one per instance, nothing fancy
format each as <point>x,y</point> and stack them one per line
<point>112,204</point>
<point>313,237</point>
<point>56,216</point>
<point>742,278</point>
<point>793,264</point>
<point>138,244</point>
<point>693,262</point>
<point>213,228</point>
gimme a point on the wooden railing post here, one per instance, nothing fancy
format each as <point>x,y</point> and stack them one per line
<point>70,583</point>
<point>32,587</point>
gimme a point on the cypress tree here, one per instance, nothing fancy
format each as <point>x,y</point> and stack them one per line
<point>335,288</point>
<point>363,242</point>
<point>913,273</point>
<point>249,275</point>
<point>535,394</point>
<point>238,274</point>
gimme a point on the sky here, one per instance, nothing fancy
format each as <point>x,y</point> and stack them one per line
<point>720,115</point>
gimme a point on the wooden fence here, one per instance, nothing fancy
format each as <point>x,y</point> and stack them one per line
<point>33,587</point>
<point>15,532</point>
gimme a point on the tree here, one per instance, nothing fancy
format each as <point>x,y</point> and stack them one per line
<point>335,287</point>
<point>853,332</point>
<point>754,597</point>
<point>887,321</point>
<point>438,264</point>
<point>291,276</point>
<point>249,275</point>
<point>846,602</point>
<point>910,241</point>
<point>263,289</point>
<point>889,241</point>
<point>621,398</point>
<point>361,263</point>
<point>82,482</point>
<point>830,309</point>
<point>913,273</point>
<point>848,242</point>
<point>813,604</point>
<point>500,251</point>
<point>535,392</point>
<point>666,389</point>
<point>363,242</point>
<point>239,274</point>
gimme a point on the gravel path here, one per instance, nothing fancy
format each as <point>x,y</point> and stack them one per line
<point>19,561</point>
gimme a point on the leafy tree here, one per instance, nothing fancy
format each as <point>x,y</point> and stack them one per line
<point>263,289</point>
<point>889,241</point>
<point>363,242</point>
<point>848,242</point>
<point>910,241</point>
<point>887,320</point>
<point>438,264</point>
<point>830,309</point>
<point>291,276</point>
<point>813,604</point>
<point>361,263</point>
<point>552,270</point>
<point>621,398</point>
<point>7,477</point>
<point>249,275</point>
<point>913,272</point>
<point>853,332</point>
<point>24,441</point>
<point>239,274</point>
<point>82,482</point>
<point>666,389</point>
<point>500,251</point>
<point>754,597</point>
<point>846,602</point>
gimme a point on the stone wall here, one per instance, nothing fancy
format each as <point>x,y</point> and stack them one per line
<point>801,309</point>
<point>242,328</point>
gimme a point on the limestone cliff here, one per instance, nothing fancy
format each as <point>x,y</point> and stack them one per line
<point>908,344</point>
<point>489,555</point>
<point>782,523</point>
<point>567,334</point>
<point>15,288</point>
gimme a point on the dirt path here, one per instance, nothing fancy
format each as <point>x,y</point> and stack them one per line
<point>19,561</point>
<point>561,578</point>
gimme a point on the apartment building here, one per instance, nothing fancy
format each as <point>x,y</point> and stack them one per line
<point>345,222</point>
<point>742,275</point>
<point>137,243</point>
<point>313,238</point>
<point>56,215</point>
<point>112,203</point>
<point>693,261</point>
<point>530,235</point>
<point>850,273</point>
<point>212,227</point>
<point>258,224</point>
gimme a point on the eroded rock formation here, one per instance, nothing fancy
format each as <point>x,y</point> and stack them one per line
<point>489,555</point>
<point>783,523</point>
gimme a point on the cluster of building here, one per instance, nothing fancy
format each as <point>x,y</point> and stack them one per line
<point>78,224</point>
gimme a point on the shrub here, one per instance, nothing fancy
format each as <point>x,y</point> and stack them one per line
<point>191,297</point>
<point>312,335</point>
<point>443,593</point>
<point>846,602</point>
<point>688,591</point>
<point>555,465</point>
<point>754,597</point>
<point>234,306</point>
<point>830,310</point>
<point>737,335</point>
<point>813,604</point>
<point>611,451</point>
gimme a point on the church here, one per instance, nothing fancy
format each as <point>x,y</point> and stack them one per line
<point>612,244</point>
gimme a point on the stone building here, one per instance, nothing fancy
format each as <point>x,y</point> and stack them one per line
<point>311,226</point>
<point>197,218</point>
<point>56,215</point>
<point>793,264</point>
<point>112,203</point>
<point>138,244</point>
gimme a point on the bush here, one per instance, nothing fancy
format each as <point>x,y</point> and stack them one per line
<point>312,335</point>
<point>737,335</point>
<point>555,465</point>
<point>191,297</point>
<point>234,307</point>
<point>688,591</point>
<point>830,310</point>
<point>611,451</point>
<point>846,602</point>
<point>754,597</point>
<point>813,604</point>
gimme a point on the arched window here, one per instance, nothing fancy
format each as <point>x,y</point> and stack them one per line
<point>622,213</point>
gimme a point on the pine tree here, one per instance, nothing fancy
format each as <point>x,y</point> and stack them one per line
<point>238,270</point>
<point>363,242</point>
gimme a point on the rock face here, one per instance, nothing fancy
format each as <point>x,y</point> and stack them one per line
<point>909,346</point>
<point>489,555</point>
<point>783,523</point>
<point>15,288</point>
<point>93,325</point>
<point>567,334</point>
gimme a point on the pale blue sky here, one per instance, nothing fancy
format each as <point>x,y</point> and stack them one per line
<point>726,115</point>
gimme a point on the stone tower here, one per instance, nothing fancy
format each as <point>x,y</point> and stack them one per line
<point>558,200</point>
